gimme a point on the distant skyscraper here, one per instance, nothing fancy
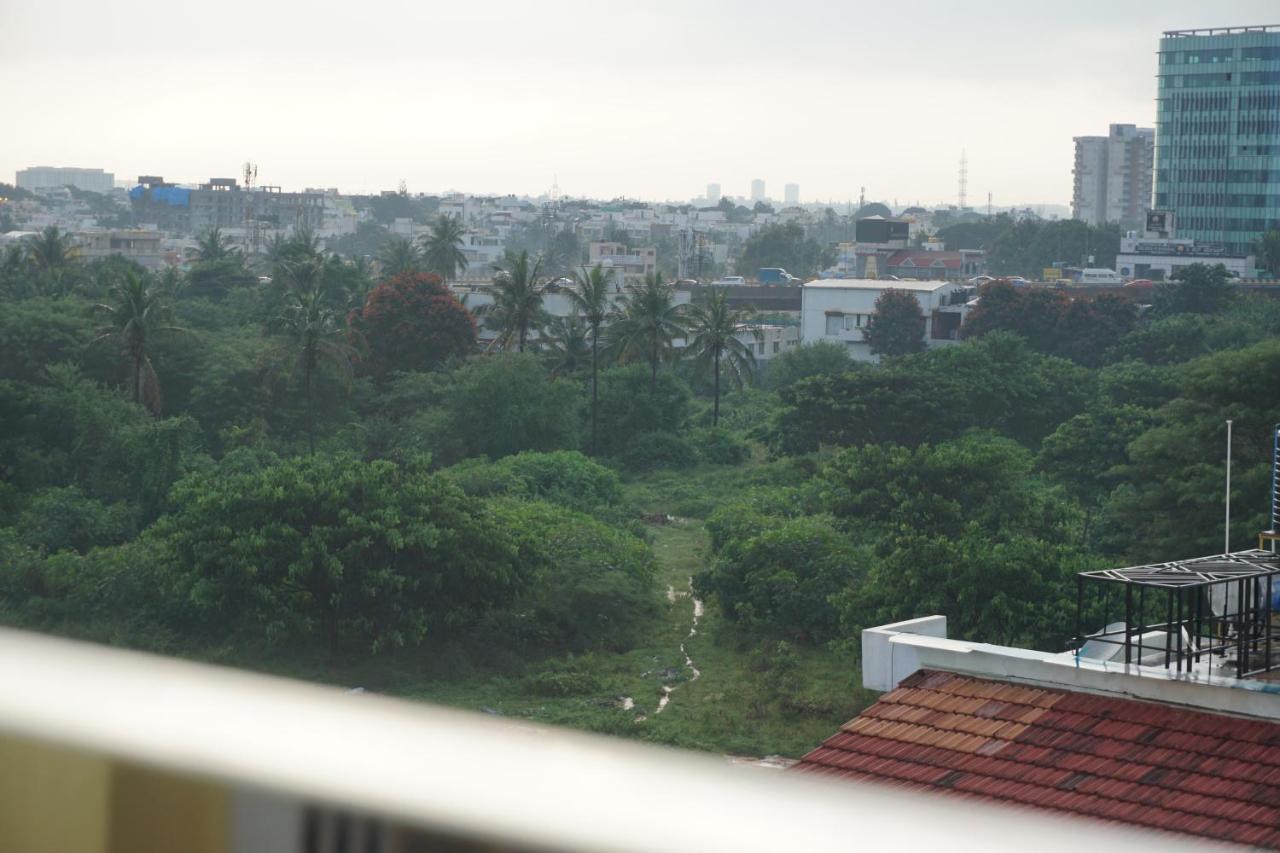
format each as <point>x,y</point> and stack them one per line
<point>1113,176</point>
<point>51,177</point>
<point>757,190</point>
<point>1218,135</point>
<point>713,194</point>
<point>791,193</point>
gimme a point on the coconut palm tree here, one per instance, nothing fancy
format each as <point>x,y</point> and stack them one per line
<point>315,333</point>
<point>516,309</point>
<point>568,344</point>
<point>140,312</point>
<point>212,246</point>
<point>441,248</point>
<point>590,295</point>
<point>399,255</point>
<point>714,327</point>
<point>649,321</point>
<point>51,250</point>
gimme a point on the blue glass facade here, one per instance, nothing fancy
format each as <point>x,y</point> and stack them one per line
<point>1218,133</point>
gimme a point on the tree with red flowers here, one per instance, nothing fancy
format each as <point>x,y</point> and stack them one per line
<point>412,322</point>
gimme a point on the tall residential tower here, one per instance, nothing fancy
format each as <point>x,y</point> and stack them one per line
<point>1113,176</point>
<point>1218,133</point>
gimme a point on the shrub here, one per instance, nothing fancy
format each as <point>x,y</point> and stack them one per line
<point>563,477</point>
<point>656,450</point>
<point>593,586</point>
<point>719,447</point>
<point>784,577</point>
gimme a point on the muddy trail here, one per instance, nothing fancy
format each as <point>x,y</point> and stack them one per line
<point>667,688</point>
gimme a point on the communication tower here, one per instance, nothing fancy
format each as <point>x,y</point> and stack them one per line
<point>964,179</point>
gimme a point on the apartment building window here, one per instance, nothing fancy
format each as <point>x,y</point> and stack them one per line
<point>776,346</point>
<point>835,322</point>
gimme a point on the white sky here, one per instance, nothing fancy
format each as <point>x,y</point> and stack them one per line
<point>643,99</point>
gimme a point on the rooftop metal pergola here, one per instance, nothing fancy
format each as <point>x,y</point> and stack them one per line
<point>1219,606</point>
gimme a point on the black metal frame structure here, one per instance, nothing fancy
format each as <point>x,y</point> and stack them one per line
<point>1185,593</point>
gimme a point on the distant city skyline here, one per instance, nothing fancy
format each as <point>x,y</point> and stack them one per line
<point>512,102</point>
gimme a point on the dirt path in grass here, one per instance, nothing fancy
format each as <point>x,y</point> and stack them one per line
<point>667,689</point>
<point>677,554</point>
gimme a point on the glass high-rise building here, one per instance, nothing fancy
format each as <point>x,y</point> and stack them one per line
<point>1218,133</point>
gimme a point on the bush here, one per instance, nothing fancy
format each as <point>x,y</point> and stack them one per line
<point>719,447</point>
<point>656,450</point>
<point>502,404</point>
<point>593,586</point>
<point>560,682</point>
<point>66,517</point>
<point>783,577</point>
<point>341,550</point>
<point>629,407</point>
<point>563,477</point>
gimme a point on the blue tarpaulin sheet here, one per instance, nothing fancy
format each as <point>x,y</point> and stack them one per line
<point>172,196</point>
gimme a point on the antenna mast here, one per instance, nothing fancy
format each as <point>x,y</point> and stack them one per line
<point>964,179</point>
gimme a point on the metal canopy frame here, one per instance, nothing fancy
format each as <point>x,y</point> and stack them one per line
<point>1212,606</point>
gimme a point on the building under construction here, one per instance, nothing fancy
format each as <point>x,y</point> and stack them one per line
<point>222,203</point>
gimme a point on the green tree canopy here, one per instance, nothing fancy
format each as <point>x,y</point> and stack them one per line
<point>784,246</point>
<point>335,551</point>
<point>897,326</point>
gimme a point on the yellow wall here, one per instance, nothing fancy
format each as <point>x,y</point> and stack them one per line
<point>155,812</point>
<point>52,800</point>
<point>59,801</point>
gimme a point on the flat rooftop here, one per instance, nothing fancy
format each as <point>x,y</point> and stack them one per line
<point>876,284</point>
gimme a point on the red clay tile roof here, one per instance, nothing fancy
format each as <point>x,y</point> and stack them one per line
<point>1136,762</point>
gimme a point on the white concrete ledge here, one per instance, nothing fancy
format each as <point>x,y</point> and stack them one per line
<point>890,653</point>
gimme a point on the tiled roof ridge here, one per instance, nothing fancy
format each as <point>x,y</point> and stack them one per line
<point>1007,727</point>
<point>1119,708</point>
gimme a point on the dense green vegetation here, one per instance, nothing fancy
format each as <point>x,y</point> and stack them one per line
<point>320,474</point>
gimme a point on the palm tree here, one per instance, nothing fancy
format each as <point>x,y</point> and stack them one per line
<point>714,327</point>
<point>140,312</point>
<point>590,297</point>
<point>212,246</point>
<point>399,255</point>
<point>649,322</point>
<point>517,300</point>
<point>51,250</point>
<point>317,336</point>
<point>442,250</point>
<point>568,344</point>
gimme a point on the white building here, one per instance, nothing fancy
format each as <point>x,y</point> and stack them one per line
<point>1113,175</point>
<point>53,177</point>
<point>839,310</point>
<point>1144,257</point>
<point>768,341</point>
<point>791,194</point>
<point>713,195</point>
<point>757,190</point>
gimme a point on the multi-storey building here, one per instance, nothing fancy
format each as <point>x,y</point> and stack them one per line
<point>791,194</point>
<point>1218,133</point>
<point>53,177</point>
<point>1113,176</point>
<point>757,190</point>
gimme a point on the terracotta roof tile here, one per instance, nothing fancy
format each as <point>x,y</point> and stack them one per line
<point>1152,765</point>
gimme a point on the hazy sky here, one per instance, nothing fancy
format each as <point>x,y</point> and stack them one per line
<point>644,99</point>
